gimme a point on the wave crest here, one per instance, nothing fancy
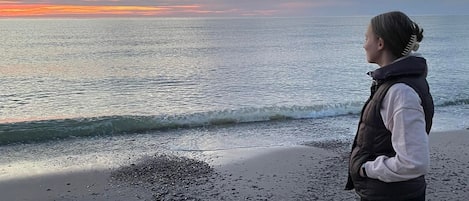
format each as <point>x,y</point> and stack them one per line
<point>464,101</point>
<point>36,131</point>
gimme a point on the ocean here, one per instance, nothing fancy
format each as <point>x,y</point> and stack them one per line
<point>97,92</point>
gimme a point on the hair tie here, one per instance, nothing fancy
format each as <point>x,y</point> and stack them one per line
<point>413,45</point>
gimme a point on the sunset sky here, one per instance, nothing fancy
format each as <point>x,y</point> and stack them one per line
<point>224,8</point>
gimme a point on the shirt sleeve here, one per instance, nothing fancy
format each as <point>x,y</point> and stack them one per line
<point>403,115</point>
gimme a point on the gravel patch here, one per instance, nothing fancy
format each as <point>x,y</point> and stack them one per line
<point>168,177</point>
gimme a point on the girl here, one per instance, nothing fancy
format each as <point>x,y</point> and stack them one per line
<point>390,153</point>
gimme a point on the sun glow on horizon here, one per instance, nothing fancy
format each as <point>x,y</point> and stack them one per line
<point>49,10</point>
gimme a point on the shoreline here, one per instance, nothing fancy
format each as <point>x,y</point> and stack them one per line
<point>310,172</point>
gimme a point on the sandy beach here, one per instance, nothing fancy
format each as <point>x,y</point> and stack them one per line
<point>310,172</point>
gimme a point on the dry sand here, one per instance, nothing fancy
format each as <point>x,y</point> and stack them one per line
<point>312,172</point>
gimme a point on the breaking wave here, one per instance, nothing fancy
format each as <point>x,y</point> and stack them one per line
<point>42,130</point>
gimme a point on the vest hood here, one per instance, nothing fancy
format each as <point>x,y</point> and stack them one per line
<point>408,66</point>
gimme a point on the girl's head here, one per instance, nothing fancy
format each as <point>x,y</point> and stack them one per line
<point>394,32</point>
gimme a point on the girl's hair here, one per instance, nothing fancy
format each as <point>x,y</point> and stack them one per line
<point>399,32</point>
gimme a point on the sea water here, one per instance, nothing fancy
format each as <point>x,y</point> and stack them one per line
<point>101,91</point>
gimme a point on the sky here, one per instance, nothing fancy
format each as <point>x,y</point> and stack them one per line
<point>225,8</point>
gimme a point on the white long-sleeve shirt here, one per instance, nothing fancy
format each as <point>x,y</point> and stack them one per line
<point>403,115</point>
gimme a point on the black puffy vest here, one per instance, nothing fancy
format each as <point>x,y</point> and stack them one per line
<point>373,139</point>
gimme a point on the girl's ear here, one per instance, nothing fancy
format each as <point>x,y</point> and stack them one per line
<point>380,44</point>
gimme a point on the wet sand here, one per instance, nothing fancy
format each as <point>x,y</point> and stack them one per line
<point>316,171</point>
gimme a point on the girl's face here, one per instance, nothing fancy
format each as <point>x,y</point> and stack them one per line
<point>373,44</point>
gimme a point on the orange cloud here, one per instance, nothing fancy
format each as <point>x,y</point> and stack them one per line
<point>38,10</point>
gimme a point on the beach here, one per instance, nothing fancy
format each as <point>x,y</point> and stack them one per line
<point>314,171</point>
<point>206,108</point>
